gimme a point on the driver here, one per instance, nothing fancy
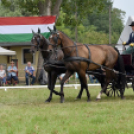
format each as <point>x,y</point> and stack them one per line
<point>130,49</point>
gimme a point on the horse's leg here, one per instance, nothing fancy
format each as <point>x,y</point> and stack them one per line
<point>53,78</point>
<point>122,84</point>
<point>83,78</point>
<point>104,88</point>
<point>122,92</point>
<point>104,83</point>
<point>81,90</point>
<point>66,76</point>
<point>49,81</point>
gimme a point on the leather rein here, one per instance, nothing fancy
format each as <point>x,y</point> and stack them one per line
<point>77,58</point>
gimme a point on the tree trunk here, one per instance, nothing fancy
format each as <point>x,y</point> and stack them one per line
<point>45,9</point>
<point>56,9</point>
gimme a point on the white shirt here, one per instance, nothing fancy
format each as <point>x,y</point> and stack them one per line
<point>2,73</point>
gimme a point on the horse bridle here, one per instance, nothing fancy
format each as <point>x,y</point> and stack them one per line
<point>55,45</point>
<point>55,39</point>
<point>38,43</point>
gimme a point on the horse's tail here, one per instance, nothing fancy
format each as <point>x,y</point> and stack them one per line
<point>121,68</point>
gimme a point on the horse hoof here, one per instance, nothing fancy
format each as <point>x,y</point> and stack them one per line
<point>48,100</point>
<point>88,100</point>
<point>98,99</point>
<point>123,98</point>
<point>78,98</point>
<point>62,100</point>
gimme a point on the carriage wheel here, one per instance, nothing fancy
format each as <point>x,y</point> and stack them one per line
<point>117,92</point>
<point>111,91</point>
<point>133,83</point>
<point>114,90</point>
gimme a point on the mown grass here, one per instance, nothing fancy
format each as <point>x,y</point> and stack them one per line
<point>23,111</point>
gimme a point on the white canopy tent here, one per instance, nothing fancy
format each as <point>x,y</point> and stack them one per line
<point>125,34</point>
<point>4,51</point>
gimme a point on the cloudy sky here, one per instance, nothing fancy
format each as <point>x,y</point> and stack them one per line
<point>125,5</point>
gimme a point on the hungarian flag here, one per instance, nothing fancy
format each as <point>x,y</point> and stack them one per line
<point>19,29</point>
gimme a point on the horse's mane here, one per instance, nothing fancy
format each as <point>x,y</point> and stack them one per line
<point>66,35</point>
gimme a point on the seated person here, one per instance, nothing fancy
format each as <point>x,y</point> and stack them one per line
<point>12,73</point>
<point>2,75</point>
<point>30,72</point>
<point>60,77</point>
<point>93,79</point>
<point>130,49</point>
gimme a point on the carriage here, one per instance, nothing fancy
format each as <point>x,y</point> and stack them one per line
<point>129,68</point>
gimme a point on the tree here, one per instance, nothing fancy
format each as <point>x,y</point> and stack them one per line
<point>36,7</point>
<point>45,8</point>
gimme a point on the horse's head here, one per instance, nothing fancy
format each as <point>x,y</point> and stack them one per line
<point>38,41</point>
<point>55,39</point>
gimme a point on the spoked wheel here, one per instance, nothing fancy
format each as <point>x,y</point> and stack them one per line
<point>110,90</point>
<point>133,83</point>
<point>113,90</point>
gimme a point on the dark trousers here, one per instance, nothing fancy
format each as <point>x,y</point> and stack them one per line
<point>33,79</point>
<point>10,77</point>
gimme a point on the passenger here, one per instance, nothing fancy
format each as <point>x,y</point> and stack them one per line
<point>30,72</point>
<point>2,75</point>
<point>12,73</point>
<point>130,49</point>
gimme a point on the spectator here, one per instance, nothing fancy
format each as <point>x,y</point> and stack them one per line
<point>76,75</point>
<point>2,75</point>
<point>30,72</point>
<point>61,77</point>
<point>12,73</point>
<point>92,78</point>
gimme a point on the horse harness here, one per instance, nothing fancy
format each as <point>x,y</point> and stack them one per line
<point>77,58</point>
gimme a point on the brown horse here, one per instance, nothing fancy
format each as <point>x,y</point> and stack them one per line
<point>52,61</point>
<point>80,58</point>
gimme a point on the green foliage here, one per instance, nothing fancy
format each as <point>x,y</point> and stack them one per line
<point>15,8</point>
<point>90,16</point>
<point>82,8</point>
<point>93,20</point>
<point>7,12</point>
<point>30,6</point>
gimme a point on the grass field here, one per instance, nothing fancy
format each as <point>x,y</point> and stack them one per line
<point>23,111</point>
